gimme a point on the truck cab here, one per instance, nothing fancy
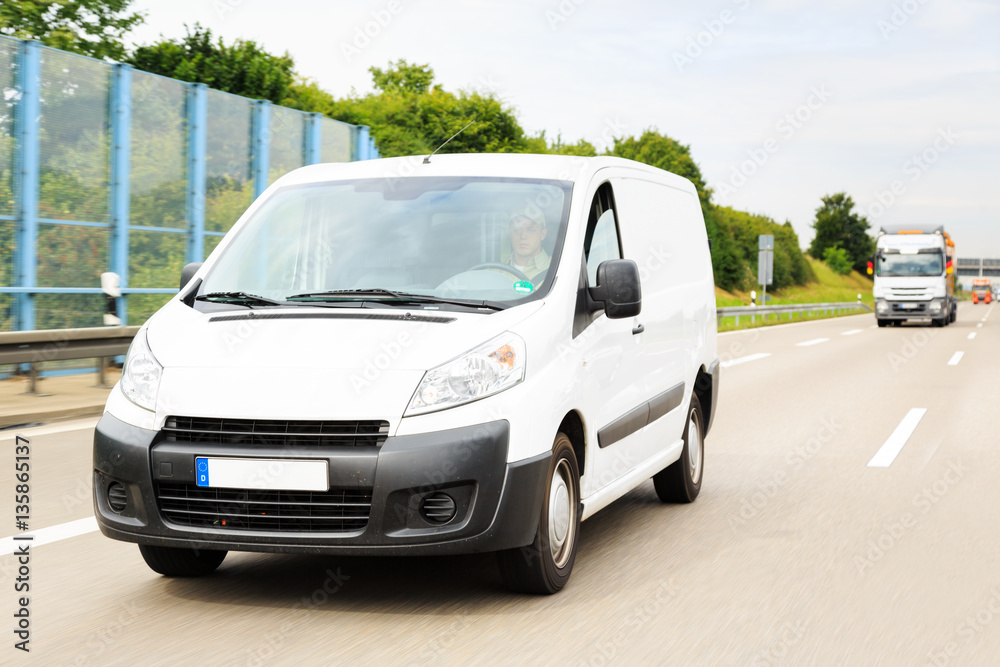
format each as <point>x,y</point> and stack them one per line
<point>914,275</point>
<point>982,291</point>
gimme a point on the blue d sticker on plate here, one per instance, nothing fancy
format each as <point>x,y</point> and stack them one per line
<point>202,471</point>
<point>523,286</point>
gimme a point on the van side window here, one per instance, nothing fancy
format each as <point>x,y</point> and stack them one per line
<point>602,241</point>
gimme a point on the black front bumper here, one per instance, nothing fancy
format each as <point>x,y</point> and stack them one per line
<point>911,310</point>
<point>497,503</point>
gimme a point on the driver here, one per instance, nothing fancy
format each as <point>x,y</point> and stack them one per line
<point>527,230</point>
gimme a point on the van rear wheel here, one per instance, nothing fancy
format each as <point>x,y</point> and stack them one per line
<point>680,482</point>
<point>543,567</point>
<point>179,562</point>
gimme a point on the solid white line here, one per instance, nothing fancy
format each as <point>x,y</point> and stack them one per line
<point>77,425</point>
<point>890,450</point>
<point>743,360</point>
<point>814,341</point>
<point>853,331</point>
<point>957,357</point>
<point>9,545</point>
<point>972,335</point>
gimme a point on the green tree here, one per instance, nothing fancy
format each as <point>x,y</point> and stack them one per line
<point>409,115</point>
<point>403,77</point>
<point>837,224</point>
<point>661,151</point>
<point>241,68</point>
<point>742,230</point>
<point>658,150</point>
<point>94,28</point>
<point>836,258</point>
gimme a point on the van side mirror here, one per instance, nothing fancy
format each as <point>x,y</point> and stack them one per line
<point>187,273</point>
<point>617,290</point>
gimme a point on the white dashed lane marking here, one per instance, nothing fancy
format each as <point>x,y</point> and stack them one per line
<point>743,360</point>
<point>894,445</point>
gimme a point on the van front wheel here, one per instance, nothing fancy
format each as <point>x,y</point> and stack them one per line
<point>680,482</point>
<point>179,562</point>
<point>543,567</point>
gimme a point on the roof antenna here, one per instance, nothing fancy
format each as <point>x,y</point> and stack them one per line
<point>427,160</point>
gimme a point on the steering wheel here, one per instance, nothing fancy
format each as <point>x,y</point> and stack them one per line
<point>504,268</point>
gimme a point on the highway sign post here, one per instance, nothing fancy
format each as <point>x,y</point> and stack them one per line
<point>765,264</point>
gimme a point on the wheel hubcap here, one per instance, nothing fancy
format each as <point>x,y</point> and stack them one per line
<point>561,514</point>
<point>694,449</point>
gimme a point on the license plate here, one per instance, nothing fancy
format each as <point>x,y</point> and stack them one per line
<point>909,306</point>
<point>266,474</point>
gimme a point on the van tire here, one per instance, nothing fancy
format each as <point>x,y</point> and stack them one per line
<point>179,562</point>
<point>542,568</point>
<point>680,482</point>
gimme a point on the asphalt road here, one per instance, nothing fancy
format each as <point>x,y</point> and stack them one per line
<point>819,538</point>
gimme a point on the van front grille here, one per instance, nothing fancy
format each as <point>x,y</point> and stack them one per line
<point>333,511</point>
<point>275,432</point>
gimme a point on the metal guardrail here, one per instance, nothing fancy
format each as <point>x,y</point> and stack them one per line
<point>34,347</point>
<point>791,309</point>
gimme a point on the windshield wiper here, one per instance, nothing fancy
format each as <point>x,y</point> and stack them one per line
<point>239,298</point>
<point>389,296</point>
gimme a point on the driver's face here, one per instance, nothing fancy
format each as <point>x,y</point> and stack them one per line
<point>526,237</point>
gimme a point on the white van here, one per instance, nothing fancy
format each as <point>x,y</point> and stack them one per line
<point>406,357</point>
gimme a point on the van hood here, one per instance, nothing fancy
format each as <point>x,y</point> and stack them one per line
<point>322,338</point>
<point>308,363</point>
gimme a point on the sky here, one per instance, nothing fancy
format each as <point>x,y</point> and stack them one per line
<point>782,102</point>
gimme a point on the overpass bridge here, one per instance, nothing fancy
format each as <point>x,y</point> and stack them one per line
<point>976,267</point>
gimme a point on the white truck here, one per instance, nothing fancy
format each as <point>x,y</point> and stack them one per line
<point>913,269</point>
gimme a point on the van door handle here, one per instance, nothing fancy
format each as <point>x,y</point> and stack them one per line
<point>638,329</point>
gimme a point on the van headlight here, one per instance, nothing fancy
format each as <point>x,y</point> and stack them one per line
<point>141,374</point>
<point>486,370</point>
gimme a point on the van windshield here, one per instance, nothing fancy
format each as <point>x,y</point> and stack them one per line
<point>923,264</point>
<point>479,240</point>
